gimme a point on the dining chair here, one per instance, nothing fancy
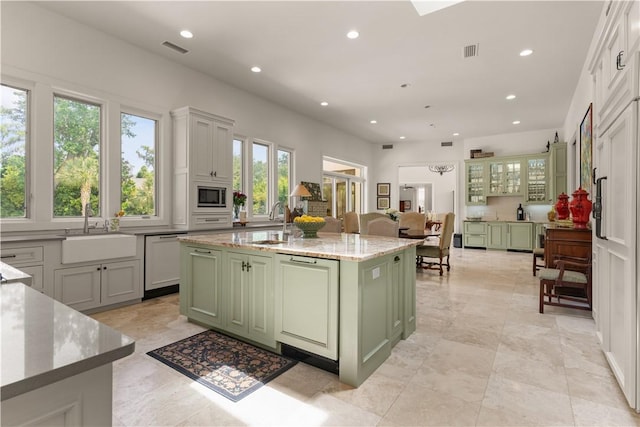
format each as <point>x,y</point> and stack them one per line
<point>440,250</point>
<point>366,217</point>
<point>567,285</point>
<point>382,227</point>
<point>331,225</point>
<point>350,222</point>
<point>413,220</point>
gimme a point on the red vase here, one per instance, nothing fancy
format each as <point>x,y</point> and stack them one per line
<point>580,207</point>
<point>562,206</point>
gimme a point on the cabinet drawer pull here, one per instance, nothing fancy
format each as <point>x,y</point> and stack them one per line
<point>173,236</point>
<point>396,258</point>
<point>292,259</point>
<point>8,256</point>
<point>211,219</point>
<point>199,251</point>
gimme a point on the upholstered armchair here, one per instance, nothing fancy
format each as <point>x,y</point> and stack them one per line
<point>366,217</point>
<point>350,222</point>
<point>413,221</point>
<point>331,225</point>
<point>439,251</point>
<point>383,227</point>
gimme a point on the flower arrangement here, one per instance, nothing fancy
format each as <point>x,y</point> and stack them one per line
<point>114,224</point>
<point>392,213</point>
<point>239,198</point>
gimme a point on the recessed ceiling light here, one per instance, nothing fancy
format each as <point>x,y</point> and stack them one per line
<point>324,103</point>
<point>510,97</point>
<point>402,137</point>
<point>456,134</point>
<point>353,34</point>
<point>404,85</point>
<point>427,106</point>
<point>516,122</point>
<point>256,69</point>
<point>526,52</point>
<point>186,34</point>
<point>373,122</point>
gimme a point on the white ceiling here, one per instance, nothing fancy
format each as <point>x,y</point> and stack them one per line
<point>306,58</point>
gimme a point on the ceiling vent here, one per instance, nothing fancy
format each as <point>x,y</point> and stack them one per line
<point>175,47</point>
<point>387,146</point>
<point>446,144</point>
<point>470,50</point>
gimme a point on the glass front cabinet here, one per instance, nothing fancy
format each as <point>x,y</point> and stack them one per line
<point>475,175</point>
<point>537,187</point>
<point>505,178</point>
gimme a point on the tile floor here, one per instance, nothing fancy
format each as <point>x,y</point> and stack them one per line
<point>481,355</point>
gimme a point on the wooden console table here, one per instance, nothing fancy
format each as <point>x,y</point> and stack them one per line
<point>562,242</point>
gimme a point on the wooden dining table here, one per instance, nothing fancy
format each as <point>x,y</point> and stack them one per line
<point>417,234</point>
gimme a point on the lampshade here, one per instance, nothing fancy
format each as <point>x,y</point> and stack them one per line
<point>300,191</point>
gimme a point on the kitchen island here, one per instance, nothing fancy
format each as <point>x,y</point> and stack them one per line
<point>56,362</point>
<point>344,297</point>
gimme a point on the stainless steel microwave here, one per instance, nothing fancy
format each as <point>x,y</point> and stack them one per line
<point>212,197</point>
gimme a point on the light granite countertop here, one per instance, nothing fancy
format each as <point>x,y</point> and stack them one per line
<point>44,341</point>
<point>344,246</point>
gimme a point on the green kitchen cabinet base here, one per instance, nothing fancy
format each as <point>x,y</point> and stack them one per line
<point>371,304</point>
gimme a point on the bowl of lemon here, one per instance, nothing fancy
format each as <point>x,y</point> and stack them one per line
<point>309,225</point>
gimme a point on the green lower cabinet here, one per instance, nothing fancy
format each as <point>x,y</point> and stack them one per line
<point>200,293</point>
<point>520,236</point>
<point>475,234</point>
<point>249,297</point>
<point>306,304</point>
<point>496,235</point>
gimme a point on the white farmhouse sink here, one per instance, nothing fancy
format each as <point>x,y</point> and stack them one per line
<point>97,247</point>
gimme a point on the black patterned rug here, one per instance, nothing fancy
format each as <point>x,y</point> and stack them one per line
<point>225,365</point>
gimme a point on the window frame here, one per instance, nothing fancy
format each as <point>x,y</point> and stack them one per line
<point>27,87</point>
<point>157,118</point>
<point>350,180</point>
<point>102,153</point>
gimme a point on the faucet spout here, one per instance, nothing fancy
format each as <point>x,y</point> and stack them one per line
<point>87,213</point>
<point>274,213</point>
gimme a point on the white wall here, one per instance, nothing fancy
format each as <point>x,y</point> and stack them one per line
<point>54,52</point>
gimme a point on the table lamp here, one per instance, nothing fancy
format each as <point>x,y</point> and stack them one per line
<point>299,191</point>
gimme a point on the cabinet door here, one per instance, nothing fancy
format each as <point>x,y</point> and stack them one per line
<point>496,179</point>
<point>306,304</point>
<point>559,170</point>
<point>475,183</point>
<point>36,273</point>
<point>537,181</point>
<point>505,178</point>
<point>520,236</point>
<point>120,282</point>
<point>203,146</point>
<point>396,298</point>
<point>236,293</point>
<point>223,150</point>
<point>496,235</point>
<point>78,287</point>
<point>260,292</point>
<point>203,285</point>
<point>161,262</point>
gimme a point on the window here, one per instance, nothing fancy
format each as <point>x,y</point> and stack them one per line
<point>76,151</point>
<point>284,177</point>
<point>138,139</point>
<point>13,152</point>
<point>237,164</point>
<point>342,186</point>
<point>260,169</point>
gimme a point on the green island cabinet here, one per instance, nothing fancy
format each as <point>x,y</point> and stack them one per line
<point>349,310</point>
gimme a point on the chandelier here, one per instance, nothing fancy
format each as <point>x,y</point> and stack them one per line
<point>441,168</point>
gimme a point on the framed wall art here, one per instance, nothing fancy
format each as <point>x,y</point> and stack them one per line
<point>383,203</point>
<point>384,189</point>
<point>586,151</point>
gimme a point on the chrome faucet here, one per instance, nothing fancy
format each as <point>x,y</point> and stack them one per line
<point>273,215</point>
<point>87,213</point>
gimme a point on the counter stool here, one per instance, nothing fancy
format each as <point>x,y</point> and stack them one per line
<point>538,253</point>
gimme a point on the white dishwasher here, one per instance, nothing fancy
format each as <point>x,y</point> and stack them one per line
<point>161,264</point>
